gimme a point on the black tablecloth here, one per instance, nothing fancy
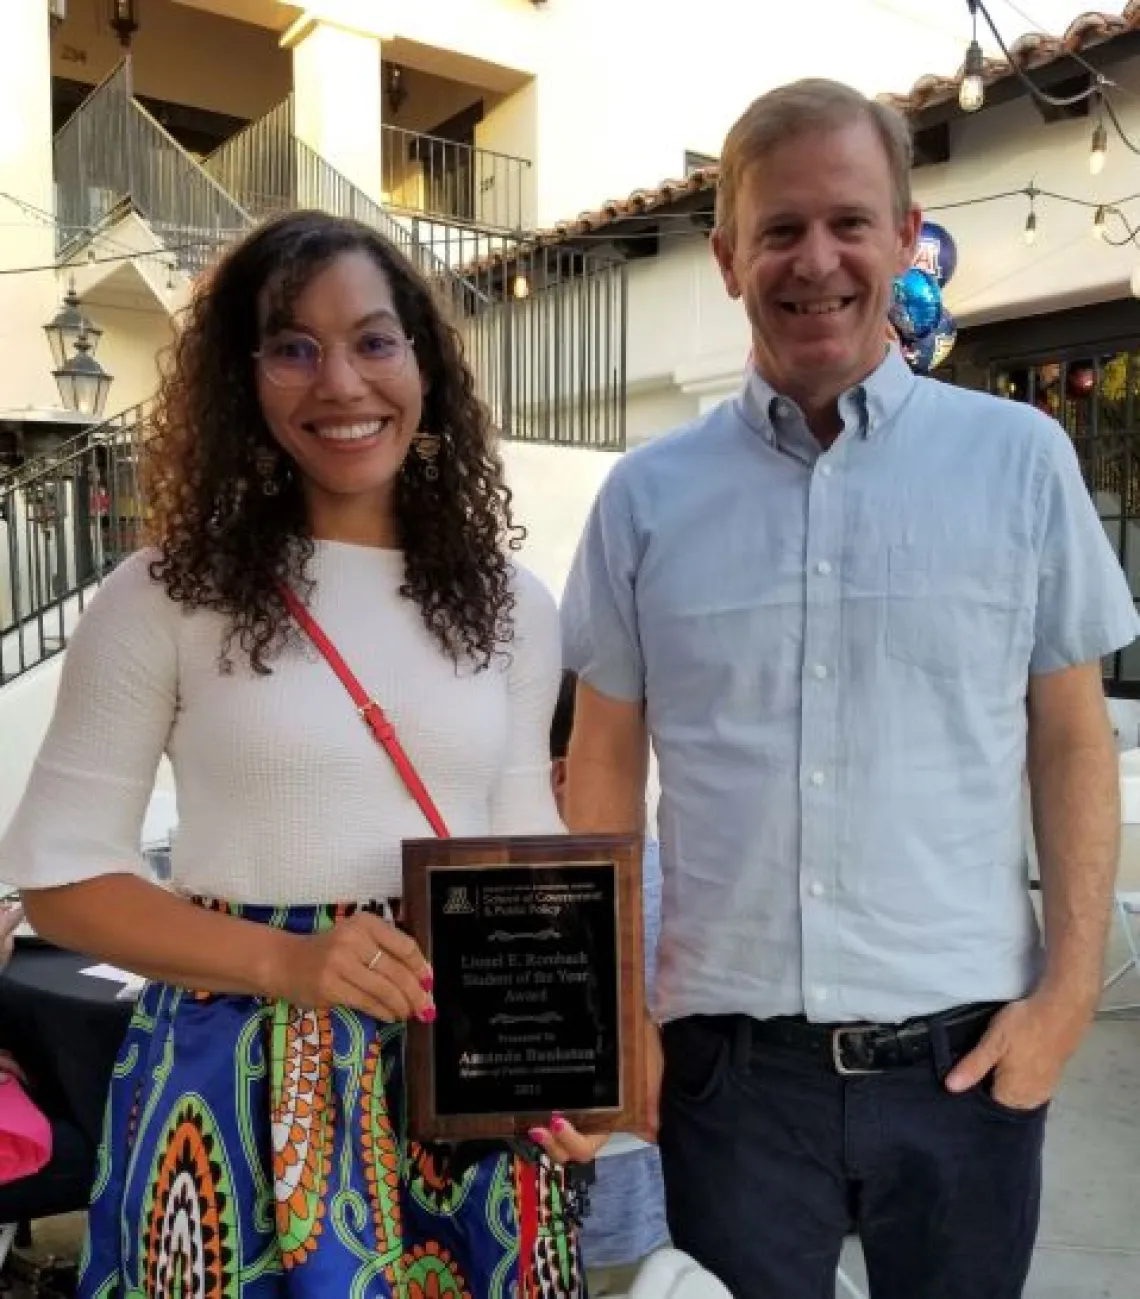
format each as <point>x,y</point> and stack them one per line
<point>64,1028</point>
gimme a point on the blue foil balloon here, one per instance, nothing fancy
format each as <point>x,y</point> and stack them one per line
<point>918,354</point>
<point>916,305</point>
<point>945,336</point>
<point>936,253</point>
<point>926,354</point>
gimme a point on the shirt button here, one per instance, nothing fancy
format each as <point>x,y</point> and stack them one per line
<point>817,777</point>
<point>820,671</point>
<point>783,410</point>
<point>823,567</point>
<point>819,993</point>
<point>825,470</point>
<point>816,889</point>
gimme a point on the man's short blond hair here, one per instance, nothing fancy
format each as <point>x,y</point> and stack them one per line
<point>801,107</point>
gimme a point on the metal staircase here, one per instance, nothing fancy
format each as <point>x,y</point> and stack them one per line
<point>111,155</point>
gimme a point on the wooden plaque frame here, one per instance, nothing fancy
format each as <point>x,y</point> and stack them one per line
<point>620,855</point>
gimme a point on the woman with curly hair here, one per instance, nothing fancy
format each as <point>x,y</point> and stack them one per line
<point>319,462</point>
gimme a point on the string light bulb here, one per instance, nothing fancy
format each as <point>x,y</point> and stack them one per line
<point>1099,148</point>
<point>1031,192</point>
<point>521,287</point>
<point>972,92</point>
<point>1099,222</point>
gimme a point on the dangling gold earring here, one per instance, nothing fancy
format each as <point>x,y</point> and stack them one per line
<point>266,462</point>
<point>427,447</point>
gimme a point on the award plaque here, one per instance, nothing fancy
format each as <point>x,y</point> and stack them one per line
<point>536,943</point>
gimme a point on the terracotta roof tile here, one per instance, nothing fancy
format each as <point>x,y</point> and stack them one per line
<point>1032,50</point>
<point>640,202</point>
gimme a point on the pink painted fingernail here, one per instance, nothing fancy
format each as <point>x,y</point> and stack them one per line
<point>427,1015</point>
<point>557,1123</point>
<point>428,982</point>
<point>539,1136</point>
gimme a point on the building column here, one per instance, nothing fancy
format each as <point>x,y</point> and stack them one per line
<point>27,300</point>
<point>338,100</point>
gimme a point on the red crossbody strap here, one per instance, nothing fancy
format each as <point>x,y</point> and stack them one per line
<point>369,710</point>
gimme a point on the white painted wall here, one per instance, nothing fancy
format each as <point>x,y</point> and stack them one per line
<point>679,311</point>
<point>510,126</point>
<point>26,706</point>
<point>649,412</point>
<point>25,709</point>
<point>27,299</point>
<point>553,488</point>
<point>133,338</point>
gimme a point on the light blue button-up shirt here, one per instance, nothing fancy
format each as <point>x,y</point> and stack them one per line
<point>834,649</point>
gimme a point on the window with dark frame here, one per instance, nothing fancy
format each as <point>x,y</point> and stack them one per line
<point>1096,399</point>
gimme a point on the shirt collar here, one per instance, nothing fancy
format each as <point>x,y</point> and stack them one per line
<point>867,406</point>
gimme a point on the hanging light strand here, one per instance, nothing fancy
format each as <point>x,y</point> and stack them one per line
<point>1114,118</point>
<point>1106,216</point>
<point>1098,90</point>
<point>1054,101</point>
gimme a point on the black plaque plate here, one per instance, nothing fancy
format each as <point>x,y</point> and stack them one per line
<point>536,945</point>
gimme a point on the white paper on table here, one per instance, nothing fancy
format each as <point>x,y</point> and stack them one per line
<point>132,983</point>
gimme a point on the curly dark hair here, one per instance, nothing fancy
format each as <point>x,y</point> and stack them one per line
<point>226,545</point>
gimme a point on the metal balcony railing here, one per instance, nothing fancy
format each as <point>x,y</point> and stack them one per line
<point>548,345</point>
<point>439,178</point>
<point>65,521</point>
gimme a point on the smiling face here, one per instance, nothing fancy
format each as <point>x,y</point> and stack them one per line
<point>342,395</point>
<point>812,252</point>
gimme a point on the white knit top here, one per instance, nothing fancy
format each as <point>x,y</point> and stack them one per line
<point>284,795</point>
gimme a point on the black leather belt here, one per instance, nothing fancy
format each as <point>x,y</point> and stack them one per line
<point>852,1049</point>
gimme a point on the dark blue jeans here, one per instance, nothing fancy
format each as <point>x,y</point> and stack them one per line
<point>771,1159</point>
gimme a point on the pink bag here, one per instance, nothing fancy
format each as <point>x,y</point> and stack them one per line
<point>25,1135</point>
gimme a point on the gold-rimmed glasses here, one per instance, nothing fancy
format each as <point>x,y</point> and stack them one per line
<point>294,360</point>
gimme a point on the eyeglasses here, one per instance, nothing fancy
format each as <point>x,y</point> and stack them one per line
<point>296,360</point>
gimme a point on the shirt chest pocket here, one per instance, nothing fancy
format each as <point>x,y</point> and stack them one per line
<point>958,611</point>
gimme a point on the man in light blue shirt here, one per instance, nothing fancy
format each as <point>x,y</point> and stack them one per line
<point>847,608</point>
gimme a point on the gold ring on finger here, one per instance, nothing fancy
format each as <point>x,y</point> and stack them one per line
<point>375,961</point>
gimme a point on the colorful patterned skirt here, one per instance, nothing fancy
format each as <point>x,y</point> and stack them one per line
<point>255,1150</point>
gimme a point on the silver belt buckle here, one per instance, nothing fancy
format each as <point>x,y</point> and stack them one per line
<point>844,1070</point>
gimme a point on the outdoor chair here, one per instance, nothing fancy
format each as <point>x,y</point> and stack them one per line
<point>1128,917</point>
<point>671,1274</point>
